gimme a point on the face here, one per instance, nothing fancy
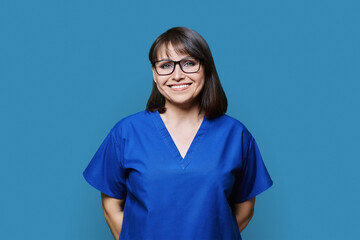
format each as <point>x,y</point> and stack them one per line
<point>185,96</point>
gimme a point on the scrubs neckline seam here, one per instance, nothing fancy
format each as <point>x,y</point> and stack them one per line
<point>168,140</point>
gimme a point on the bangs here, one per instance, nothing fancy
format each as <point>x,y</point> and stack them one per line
<point>179,48</point>
<point>182,45</point>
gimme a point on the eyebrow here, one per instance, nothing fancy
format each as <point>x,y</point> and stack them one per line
<point>168,59</point>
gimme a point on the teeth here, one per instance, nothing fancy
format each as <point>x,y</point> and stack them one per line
<point>180,86</point>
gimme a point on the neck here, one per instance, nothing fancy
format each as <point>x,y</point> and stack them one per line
<point>180,114</point>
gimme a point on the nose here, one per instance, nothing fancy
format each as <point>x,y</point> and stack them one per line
<point>178,74</point>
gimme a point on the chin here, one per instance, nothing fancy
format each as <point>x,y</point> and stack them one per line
<point>183,102</point>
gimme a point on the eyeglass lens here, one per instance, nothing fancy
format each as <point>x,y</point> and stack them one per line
<point>190,65</point>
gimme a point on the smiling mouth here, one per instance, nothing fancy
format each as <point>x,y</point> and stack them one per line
<point>180,86</point>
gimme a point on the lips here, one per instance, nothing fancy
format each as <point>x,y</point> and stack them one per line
<point>180,87</point>
<point>178,84</point>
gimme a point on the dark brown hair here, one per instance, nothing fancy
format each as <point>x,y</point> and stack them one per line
<point>212,98</point>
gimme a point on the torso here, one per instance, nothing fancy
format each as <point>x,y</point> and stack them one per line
<point>170,197</point>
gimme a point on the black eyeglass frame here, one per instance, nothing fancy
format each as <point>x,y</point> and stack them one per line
<point>176,62</point>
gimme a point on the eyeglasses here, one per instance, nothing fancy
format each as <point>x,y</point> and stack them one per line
<point>167,67</point>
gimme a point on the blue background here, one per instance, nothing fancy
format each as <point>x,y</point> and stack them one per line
<point>70,70</point>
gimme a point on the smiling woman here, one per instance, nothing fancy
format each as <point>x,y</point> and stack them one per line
<point>179,85</point>
<point>179,43</point>
<point>181,168</point>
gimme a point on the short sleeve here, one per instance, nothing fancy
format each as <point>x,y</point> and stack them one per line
<point>105,172</point>
<point>253,178</point>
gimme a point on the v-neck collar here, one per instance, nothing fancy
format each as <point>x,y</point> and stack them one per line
<point>170,143</point>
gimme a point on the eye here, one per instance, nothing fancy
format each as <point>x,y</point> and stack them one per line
<point>189,63</point>
<point>165,65</point>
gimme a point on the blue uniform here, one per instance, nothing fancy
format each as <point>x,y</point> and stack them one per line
<point>171,197</point>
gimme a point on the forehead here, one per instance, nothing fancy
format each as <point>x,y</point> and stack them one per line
<point>172,51</point>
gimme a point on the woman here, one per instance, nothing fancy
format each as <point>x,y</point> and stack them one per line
<point>182,168</point>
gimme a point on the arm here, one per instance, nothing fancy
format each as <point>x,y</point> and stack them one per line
<point>244,212</point>
<point>114,212</point>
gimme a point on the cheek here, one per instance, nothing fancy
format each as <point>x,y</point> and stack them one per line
<point>159,81</point>
<point>201,80</point>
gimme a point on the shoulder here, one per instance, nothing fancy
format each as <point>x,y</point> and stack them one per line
<point>239,131</point>
<point>231,123</point>
<point>130,122</point>
<point>232,128</point>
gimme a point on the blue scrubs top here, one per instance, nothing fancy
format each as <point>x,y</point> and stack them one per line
<point>171,197</point>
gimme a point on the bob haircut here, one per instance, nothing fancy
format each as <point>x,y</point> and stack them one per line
<point>212,98</point>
